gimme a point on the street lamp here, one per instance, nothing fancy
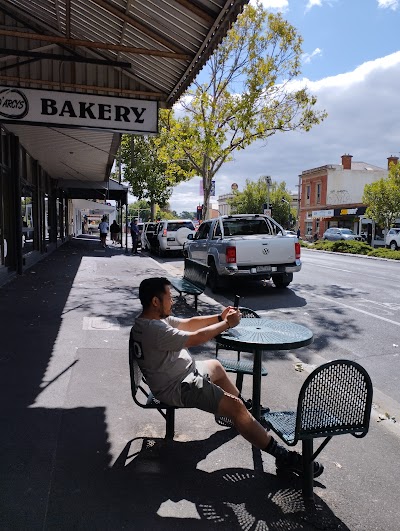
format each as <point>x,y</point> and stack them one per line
<point>288,204</point>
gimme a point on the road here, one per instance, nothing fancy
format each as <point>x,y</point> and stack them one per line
<point>352,304</point>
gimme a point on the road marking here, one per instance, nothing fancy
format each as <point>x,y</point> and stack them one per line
<point>335,268</point>
<point>353,308</point>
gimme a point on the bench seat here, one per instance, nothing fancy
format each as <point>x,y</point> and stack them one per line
<point>194,279</point>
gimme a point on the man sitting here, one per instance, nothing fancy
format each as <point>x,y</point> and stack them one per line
<point>160,343</point>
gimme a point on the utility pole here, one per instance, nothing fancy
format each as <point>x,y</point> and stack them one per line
<point>268,181</point>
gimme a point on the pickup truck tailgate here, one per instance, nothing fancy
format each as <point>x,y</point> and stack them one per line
<point>268,250</point>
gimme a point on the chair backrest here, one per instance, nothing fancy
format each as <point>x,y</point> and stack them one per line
<point>335,399</point>
<point>247,312</point>
<point>134,370</point>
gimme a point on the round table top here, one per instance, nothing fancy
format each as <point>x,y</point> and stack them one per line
<point>265,334</point>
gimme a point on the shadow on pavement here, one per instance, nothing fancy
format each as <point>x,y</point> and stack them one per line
<point>159,485</point>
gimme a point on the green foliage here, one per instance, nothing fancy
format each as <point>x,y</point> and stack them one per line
<point>139,209</point>
<point>383,198</point>
<point>343,246</point>
<point>385,253</point>
<point>352,247</point>
<point>255,195</point>
<point>150,178</point>
<point>248,96</point>
<point>187,215</point>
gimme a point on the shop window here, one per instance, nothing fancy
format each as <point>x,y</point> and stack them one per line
<point>27,222</point>
<point>309,228</point>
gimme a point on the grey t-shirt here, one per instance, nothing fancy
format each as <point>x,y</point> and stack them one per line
<point>165,363</point>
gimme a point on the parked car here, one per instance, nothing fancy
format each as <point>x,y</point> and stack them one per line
<point>393,239</point>
<point>245,246</point>
<point>148,234</point>
<point>334,233</point>
<point>171,235</point>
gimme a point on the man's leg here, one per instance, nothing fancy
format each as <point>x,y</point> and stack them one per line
<point>232,406</point>
<point>218,375</point>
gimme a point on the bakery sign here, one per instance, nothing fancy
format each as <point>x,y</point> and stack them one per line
<point>66,109</point>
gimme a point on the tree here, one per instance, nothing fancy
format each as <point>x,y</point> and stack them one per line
<point>187,215</point>
<point>248,97</point>
<point>383,198</point>
<point>254,196</point>
<point>139,209</point>
<point>147,173</point>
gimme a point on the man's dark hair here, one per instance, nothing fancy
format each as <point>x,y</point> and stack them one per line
<point>152,287</point>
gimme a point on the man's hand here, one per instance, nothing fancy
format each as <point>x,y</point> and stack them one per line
<point>226,311</point>
<point>233,317</point>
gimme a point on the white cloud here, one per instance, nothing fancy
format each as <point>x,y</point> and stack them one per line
<point>363,120</point>
<point>388,4</point>
<point>280,5</point>
<point>320,3</point>
<point>308,57</point>
<point>313,3</point>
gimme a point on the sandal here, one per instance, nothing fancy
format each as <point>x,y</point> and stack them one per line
<point>224,421</point>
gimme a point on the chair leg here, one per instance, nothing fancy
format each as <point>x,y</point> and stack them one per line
<point>308,470</point>
<point>239,381</point>
<point>170,423</point>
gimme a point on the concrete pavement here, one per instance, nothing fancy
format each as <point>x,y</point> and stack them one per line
<point>77,453</point>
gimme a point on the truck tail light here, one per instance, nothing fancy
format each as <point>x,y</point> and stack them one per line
<point>297,250</point>
<point>230,255</point>
<point>164,233</point>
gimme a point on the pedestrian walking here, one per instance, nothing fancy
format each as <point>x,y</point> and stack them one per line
<point>115,229</point>
<point>134,235</point>
<point>103,228</point>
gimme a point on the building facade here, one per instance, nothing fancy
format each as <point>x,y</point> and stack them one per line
<point>331,196</point>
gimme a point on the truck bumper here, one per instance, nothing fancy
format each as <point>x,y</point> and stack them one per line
<point>256,271</point>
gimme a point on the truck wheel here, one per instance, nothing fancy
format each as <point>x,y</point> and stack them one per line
<point>213,279</point>
<point>282,281</point>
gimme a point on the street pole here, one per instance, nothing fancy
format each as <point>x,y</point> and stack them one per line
<point>288,204</point>
<point>268,182</point>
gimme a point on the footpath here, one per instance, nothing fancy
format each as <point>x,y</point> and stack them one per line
<point>78,454</point>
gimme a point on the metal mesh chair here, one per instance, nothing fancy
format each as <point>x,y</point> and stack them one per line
<point>238,365</point>
<point>335,399</point>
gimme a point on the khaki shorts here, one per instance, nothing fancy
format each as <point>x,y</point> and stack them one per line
<point>199,392</point>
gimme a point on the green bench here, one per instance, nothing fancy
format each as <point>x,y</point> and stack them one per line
<point>194,279</point>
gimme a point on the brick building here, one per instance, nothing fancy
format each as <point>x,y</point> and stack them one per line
<point>331,196</point>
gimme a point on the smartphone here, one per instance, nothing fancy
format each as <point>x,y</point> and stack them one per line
<point>236,303</point>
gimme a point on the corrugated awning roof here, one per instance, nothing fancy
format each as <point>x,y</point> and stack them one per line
<point>150,49</point>
<point>141,49</point>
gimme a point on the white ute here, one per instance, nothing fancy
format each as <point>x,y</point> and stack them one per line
<point>245,245</point>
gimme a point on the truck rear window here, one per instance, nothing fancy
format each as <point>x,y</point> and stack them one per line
<point>247,227</point>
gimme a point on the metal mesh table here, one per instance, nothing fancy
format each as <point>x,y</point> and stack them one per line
<point>256,335</point>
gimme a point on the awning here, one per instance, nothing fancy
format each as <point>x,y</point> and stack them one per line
<point>97,208</point>
<point>103,190</point>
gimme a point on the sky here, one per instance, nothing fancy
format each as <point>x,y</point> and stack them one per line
<point>351,63</point>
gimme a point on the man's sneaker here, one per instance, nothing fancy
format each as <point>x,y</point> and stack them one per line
<point>293,462</point>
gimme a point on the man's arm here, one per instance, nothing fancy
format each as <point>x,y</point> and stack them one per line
<point>196,323</point>
<point>203,335</point>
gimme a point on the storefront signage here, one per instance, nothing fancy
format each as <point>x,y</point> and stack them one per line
<point>350,211</point>
<point>67,109</point>
<point>322,213</point>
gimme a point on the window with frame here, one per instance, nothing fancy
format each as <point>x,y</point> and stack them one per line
<point>308,193</point>
<point>318,194</point>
